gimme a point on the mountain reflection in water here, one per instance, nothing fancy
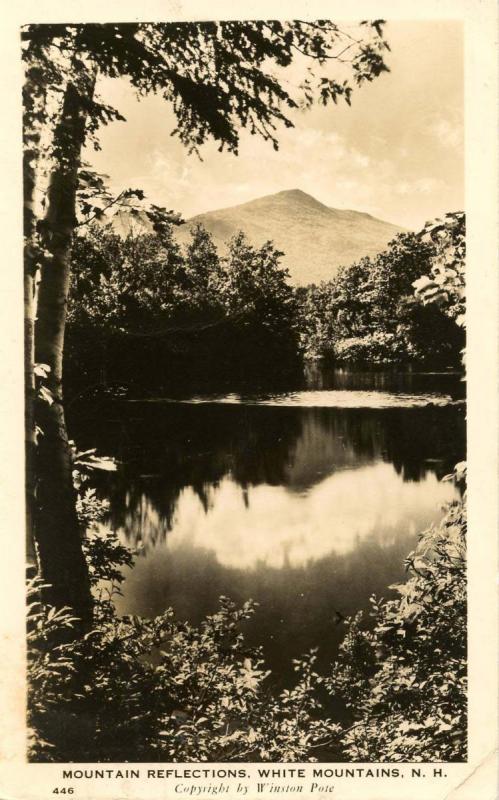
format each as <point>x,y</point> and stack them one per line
<point>271,526</point>
<point>306,510</point>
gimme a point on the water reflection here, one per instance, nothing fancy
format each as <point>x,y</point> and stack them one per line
<point>317,376</point>
<point>329,398</point>
<point>165,449</point>
<point>273,527</point>
<point>302,556</point>
<point>307,510</point>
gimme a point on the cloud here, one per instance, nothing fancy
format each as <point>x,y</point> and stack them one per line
<point>320,162</point>
<point>448,132</point>
<point>361,160</point>
<point>296,529</point>
<point>419,186</point>
<point>396,153</point>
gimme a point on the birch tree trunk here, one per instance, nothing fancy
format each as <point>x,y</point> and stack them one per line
<point>34,118</point>
<point>29,418</point>
<point>29,357</point>
<point>58,537</point>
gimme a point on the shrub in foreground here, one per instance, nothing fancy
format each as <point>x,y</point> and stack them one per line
<point>405,680</point>
<point>138,690</point>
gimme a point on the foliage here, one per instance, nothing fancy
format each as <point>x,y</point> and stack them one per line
<point>445,283</point>
<point>94,199</point>
<point>368,313</point>
<point>162,690</point>
<point>158,690</point>
<point>124,283</point>
<point>254,287</point>
<point>218,76</point>
<point>405,680</point>
<point>144,295</point>
<point>372,348</point>
<point>145,285</point>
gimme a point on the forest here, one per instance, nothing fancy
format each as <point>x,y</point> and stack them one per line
<point>129,316</point>
<point>143,299</point>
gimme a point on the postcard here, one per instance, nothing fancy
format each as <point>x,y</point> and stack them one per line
<point>249,403</point>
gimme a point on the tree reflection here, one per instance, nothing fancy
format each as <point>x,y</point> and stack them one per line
<point>165,449</point>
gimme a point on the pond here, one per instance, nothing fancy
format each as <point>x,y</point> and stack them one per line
<point>306,500</point>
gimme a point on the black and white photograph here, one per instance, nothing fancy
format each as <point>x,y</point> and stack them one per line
<point>245,376</point>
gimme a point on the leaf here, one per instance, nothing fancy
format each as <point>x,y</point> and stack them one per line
<point>41,370</point>
<point>252,736</point>
<point>46,395</point>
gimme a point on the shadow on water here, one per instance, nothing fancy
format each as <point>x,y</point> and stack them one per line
<point>307,510</point>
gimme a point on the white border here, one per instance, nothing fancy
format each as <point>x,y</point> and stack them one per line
<point>474,780</point>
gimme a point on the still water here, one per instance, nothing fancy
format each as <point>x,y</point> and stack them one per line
<point>307,501</point>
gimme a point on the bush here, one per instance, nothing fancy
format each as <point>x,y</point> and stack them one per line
<point>161,690</point>
<point>368,313</point>
<point>405,681</point>
<point>139,690</point>
<point>374,348</point>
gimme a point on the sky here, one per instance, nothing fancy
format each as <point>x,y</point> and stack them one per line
<point>396,153</point>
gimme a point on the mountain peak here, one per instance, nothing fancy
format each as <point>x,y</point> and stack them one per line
<point>294,196</point>
<point>296,193</point>
<point>315,238</point>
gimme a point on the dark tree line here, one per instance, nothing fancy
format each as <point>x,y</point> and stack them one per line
<point>145,313</point>
<point>369,313</point>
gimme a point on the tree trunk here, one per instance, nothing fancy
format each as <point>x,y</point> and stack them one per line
<point>58,537</point>
<point>34,103</point>
<point>29,358</point>
<point>29,419</point>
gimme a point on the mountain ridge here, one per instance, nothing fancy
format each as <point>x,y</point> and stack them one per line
<point>315,238</point>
